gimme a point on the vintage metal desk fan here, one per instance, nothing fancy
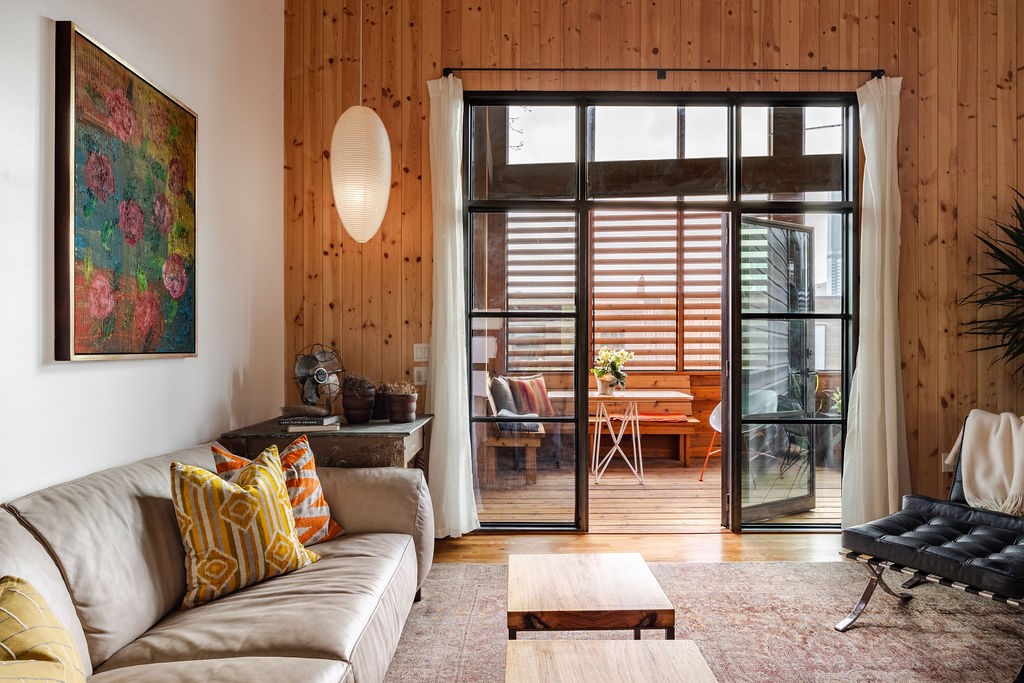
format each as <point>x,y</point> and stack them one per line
<point>317,370</point>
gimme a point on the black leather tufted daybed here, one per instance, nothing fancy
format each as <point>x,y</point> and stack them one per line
<point>945,542</point>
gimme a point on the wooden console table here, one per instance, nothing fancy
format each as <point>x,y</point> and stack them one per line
<point>377,444</point>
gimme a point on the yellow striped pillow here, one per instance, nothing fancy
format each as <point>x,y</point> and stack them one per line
<point>33,643</point>
<point>235,534</point>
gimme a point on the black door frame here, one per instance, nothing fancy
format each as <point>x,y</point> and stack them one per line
<point>733,206</point>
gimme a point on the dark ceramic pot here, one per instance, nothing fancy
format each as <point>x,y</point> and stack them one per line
<point>358,406</point>
<point>401,407</point>
<point>380,406</point>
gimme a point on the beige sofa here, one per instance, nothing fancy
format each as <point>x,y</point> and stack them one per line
<point>105,552</point>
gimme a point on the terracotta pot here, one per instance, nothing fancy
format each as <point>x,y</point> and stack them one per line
<point>358,405</point>
<point>401,407</point>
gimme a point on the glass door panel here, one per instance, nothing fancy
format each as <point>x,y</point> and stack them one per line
<point>523,350</point>
<point>791,355</point>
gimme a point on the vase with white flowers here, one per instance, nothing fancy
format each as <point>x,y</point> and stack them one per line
<point>609,369</point>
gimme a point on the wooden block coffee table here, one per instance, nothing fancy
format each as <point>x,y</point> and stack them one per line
<point>604,661</point>
<point>597,591</point>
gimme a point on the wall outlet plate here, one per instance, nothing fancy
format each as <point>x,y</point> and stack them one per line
<point>419,376</point>
<point>420,353</point>
<point>945,466</point>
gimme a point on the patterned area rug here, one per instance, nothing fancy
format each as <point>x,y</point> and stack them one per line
<point>753,621</point>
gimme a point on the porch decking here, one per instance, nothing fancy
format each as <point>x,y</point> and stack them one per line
<point>671,499</point>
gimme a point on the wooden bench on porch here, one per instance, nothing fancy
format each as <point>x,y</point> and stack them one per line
<point>495,438</point>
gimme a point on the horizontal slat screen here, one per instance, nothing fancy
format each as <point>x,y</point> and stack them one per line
<point>702,290</point>
<point>635,284</point>
<point>647,296</point>
<point>541,276</point>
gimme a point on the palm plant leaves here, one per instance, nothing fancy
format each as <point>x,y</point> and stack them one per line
<point>1000,300</point>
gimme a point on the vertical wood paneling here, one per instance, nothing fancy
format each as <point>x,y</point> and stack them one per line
<point>909,276</point>
<point>312,172</point>
<point>550,47</point>
<point>572,57</point>
<point>370,308</point>
<point>711,43</point>
<point>294,106</point>
<point>490,20</point>
<point>413,93</point>
<point>732,49</point>
<point>961,120</point>
<point>394,354</point>
<point>334,76</point>
<point>988,25</point>
<point>946,288</point>
<point>352,281</point>
<point>927,232</point>
<point>650,40</point>
<point>1006,142</point>
<point>529,44</point>
<point>810,45</point>
<point>689,32</point>
<point>966,211</point>
<point>771,50</point>
<point>828,42</point>
<point>750,16</point>
<point>789,43</point>
<point>849,41</point>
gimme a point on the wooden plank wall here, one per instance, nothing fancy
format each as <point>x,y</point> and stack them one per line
<point>962,113</point>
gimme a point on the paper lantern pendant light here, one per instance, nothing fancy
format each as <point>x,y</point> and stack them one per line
<point>360,171</point>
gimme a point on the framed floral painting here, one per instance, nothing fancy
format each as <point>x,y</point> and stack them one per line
<point>124,210</point>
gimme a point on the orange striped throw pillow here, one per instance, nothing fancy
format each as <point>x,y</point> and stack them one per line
<point>531,395</point>
<point>312,515</point>
<point>235,534</point>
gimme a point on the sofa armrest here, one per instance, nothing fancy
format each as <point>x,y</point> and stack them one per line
<point>383,500</point>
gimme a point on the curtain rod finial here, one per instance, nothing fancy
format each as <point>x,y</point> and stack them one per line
<point>446,72</point>
<point>877,73</point>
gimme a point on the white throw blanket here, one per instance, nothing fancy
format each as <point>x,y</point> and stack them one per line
<point>991,448</point>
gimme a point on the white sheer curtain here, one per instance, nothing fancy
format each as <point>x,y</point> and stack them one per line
<point>451,467</point>
<point>876,472</point>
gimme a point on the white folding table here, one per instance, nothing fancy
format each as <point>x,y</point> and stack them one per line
<point>630,419</point>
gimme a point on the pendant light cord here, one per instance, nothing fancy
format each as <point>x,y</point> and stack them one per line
<point>361,2</point>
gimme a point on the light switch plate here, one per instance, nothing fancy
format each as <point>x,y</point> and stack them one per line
<point>419,376</point>
<point>420,353</point>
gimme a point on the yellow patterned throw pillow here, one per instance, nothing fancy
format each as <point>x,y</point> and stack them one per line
<point>33,643</point>
<point>235,534</point>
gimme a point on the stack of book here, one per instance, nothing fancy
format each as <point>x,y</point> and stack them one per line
<point>311,423</point>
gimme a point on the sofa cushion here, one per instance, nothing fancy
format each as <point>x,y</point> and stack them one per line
<point>980,548</point>
<point>34,645</point>
<point>22,555</point>
<point>139,575</point>
<point>313,520</point>
<point>232,670</point>
<point>349,606</point>
<point>501,395</point>
<point>235,535</point>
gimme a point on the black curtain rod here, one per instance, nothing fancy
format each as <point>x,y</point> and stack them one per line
<point>662,73</point>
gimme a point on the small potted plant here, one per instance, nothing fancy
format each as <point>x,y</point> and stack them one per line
<point>609,370</point>
<point>357,394</point>
<point>401,401</point>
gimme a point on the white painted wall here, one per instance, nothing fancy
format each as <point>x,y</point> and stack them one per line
<point>225,60</point>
